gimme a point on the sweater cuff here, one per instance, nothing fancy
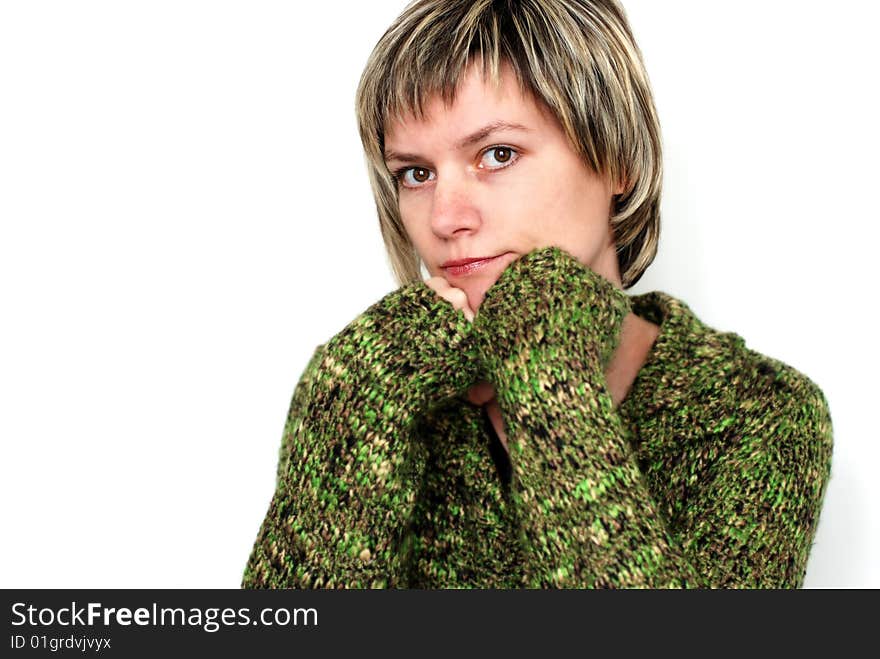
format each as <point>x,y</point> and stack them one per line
<point>411,341</point>
<point>547,296</point>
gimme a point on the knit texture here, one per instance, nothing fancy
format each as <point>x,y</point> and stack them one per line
<point>710,473</point>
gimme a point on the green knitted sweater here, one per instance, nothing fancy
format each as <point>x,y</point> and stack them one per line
<point>710,473</point>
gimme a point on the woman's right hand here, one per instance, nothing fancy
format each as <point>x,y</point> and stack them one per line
<point>348,460</point>
<point>482,392</point>
<point>455,296</point>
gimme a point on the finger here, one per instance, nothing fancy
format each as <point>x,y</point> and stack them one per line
<point>481,393</point>
<point>458,299</point>
<point>437,284</point>
<point>455,296</point>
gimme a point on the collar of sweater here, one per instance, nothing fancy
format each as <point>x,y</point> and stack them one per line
<point>685,349</point>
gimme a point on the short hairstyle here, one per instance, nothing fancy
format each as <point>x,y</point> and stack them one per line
<point>578,57</point>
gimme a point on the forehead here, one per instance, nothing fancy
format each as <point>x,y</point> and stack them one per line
<point>478,101</point>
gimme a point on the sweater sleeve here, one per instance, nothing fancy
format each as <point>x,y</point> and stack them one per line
<point>587,518</point>
<point>348,470</point>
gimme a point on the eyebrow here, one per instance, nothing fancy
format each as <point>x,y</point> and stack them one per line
<point>469,140</point>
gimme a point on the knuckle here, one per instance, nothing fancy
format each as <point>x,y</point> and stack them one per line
<point>437,283</point>
<point>457,296</point>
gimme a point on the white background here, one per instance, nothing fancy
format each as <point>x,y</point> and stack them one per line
<point>185,215</point>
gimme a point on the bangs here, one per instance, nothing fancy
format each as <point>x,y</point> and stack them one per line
<point>441,43</point>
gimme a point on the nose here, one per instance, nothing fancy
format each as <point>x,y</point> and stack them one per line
<point>454,211</point>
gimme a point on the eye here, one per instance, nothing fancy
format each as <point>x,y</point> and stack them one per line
<point>497,157</point>
<point>413,177</point>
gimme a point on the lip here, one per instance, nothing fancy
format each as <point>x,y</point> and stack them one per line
<point>461,267</point>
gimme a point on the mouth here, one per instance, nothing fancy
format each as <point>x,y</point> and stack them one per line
<point>463,267</point>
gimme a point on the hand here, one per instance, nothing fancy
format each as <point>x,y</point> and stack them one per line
<point>455,296</point>
<point>482,392</point>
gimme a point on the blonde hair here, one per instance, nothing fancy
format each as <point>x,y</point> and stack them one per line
<point>577,56</point>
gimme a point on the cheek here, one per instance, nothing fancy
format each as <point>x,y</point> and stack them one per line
<point>575,203</point>
<point>414,216</point>
<point>546,204</point>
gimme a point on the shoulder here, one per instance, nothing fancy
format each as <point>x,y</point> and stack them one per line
<point>777,398</point>
<point>718,373</point>
<point>304,386</point>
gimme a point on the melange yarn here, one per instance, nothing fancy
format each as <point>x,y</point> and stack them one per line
<point>710,473</point>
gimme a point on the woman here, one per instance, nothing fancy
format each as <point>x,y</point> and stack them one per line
<point>517,419</point>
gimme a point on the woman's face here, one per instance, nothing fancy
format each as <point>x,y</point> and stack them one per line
<point>493,176</point>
